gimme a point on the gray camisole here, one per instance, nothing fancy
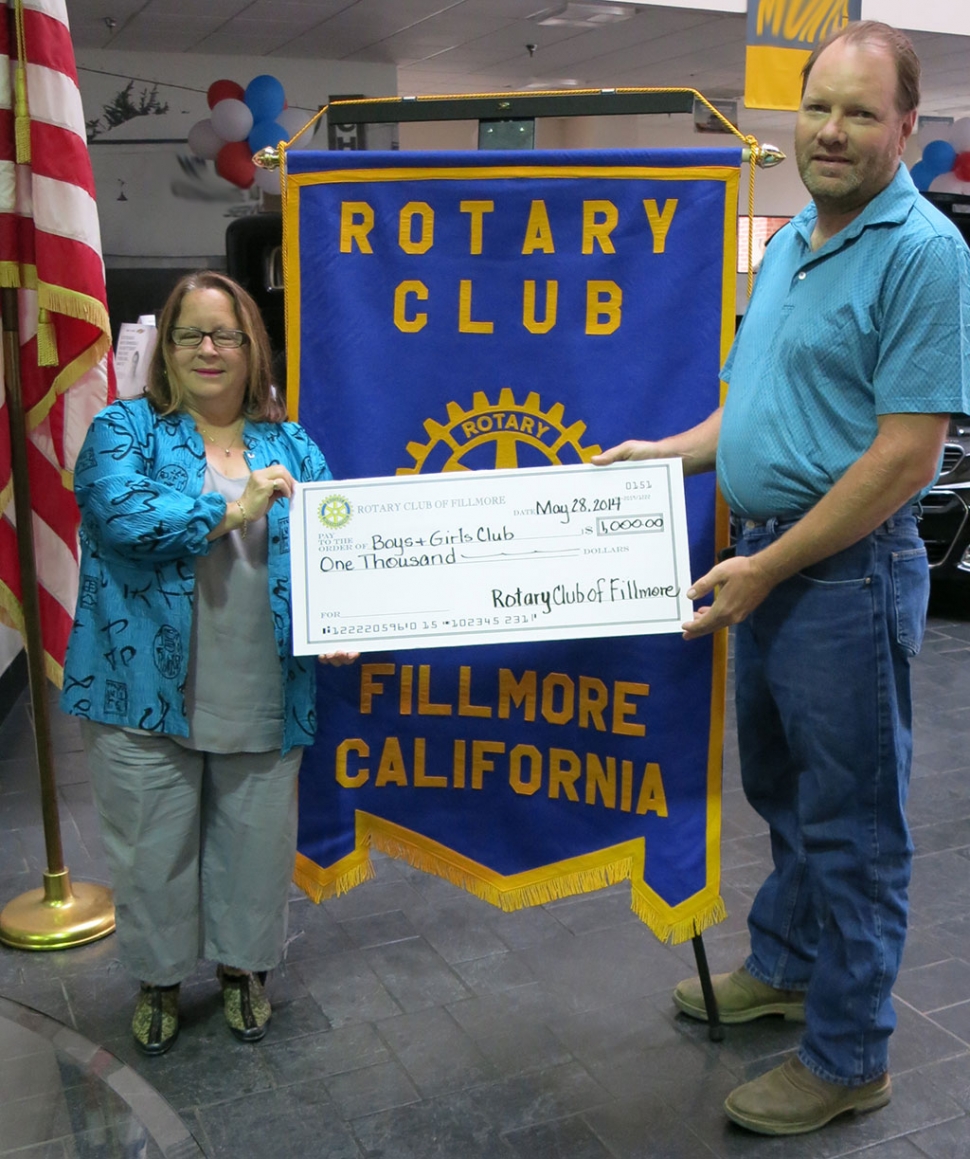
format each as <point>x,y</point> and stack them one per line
<point>234,690</point>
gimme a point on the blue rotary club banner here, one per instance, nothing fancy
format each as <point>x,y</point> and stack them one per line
<point>460,312</point>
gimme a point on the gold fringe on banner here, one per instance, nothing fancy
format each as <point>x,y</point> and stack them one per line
<point>569,878</point>
<point>657,918</point>
<point>319,884</point>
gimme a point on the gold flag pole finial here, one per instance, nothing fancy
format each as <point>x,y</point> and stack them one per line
<point>766,156</point>
<point>268,158</point>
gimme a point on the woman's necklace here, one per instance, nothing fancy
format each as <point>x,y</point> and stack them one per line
<point>207,434</point>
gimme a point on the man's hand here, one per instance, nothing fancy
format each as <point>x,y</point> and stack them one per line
<point>631,449</point>
<point>696,448</point>
<point>739,584</point>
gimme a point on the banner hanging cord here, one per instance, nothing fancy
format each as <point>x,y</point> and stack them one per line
<point>756,153</point>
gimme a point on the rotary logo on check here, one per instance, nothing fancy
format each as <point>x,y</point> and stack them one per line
<point>334,511</point>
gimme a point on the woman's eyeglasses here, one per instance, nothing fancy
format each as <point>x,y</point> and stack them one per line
<point>191,336</point>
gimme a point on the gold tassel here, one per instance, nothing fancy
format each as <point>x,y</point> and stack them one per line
<point>21,109</point>
<point>46,340</point>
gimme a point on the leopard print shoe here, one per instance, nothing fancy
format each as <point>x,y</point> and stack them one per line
<point>155,1023</point>
<point>246,1006</point>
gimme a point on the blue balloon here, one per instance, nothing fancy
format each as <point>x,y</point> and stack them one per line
<point>266,133</point>
<point>265,97</point>
<point>922,176</point>
<point>939,157</point>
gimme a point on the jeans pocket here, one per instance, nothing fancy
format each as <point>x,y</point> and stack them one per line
<point>851,567</point>
<point>910,580</point>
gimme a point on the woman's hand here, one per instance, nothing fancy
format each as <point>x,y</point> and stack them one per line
<point>338,658</point>
<point>264,487</point>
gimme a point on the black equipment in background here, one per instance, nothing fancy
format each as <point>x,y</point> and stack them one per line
<point>254,258</point>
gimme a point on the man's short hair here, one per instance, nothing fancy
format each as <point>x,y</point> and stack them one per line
<point>898,44</point>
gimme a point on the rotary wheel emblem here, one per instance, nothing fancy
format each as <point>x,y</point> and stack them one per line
<point>502,435</point>
<point>334,511</point>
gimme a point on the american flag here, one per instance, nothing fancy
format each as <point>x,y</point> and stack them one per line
<point>50,251</point>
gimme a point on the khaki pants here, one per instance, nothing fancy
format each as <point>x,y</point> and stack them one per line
<point>200,847</point>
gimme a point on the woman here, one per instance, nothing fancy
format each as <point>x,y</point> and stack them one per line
<point>195,711</point>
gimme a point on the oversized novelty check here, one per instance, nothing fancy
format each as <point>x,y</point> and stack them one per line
<point>489,557</point>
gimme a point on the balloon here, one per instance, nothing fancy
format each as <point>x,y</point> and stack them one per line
<point>222,90</point>
<point>268,180</point>
<point>204,141</point>
<point>959,135</point>
<point>266,133</point>
<point>235,164</point>
<point>232,120</point>
<point>961,168</point>
<point>938,156</point>
<point>949,183</point>
<point>921,176</point>
<point>293,121</point>
<point>265,97</point>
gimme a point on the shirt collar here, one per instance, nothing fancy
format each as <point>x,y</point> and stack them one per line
<point>891,206</point>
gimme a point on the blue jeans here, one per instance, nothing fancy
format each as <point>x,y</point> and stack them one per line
<point>825,731</point>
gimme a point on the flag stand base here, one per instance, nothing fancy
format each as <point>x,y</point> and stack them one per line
<point>61,915</point>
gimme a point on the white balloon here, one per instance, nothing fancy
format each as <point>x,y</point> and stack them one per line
<point>204,141</point>
<point>232,119</point>
<point>949,183</point>
<point>959,135</point>
<point>293,121</point>
<point>268,180</point>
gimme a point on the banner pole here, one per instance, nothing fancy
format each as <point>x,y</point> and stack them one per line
<point>60,914</point>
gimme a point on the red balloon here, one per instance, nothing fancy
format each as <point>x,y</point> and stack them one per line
<point>221,90</point>
<point>234,162</point>
<point>961,167</point>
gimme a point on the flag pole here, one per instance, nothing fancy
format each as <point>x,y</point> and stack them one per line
<point>61,914</point>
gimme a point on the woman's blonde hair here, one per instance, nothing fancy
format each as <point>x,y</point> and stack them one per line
<point>261,402</point>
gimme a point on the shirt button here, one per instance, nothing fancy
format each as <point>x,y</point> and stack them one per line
<point>801,276</point>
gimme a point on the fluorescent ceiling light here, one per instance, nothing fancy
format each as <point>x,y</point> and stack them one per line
<point>580,15</point>
<point>554,83</point>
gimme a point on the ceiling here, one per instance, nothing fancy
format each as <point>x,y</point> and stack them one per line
<point>455,46</point>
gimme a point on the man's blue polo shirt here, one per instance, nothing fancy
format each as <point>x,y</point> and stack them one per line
<point>875,322</point>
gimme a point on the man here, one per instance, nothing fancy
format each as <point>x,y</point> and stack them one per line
<point>854,349</point>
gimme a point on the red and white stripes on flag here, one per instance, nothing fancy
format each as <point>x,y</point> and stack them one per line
<point>50,251</point>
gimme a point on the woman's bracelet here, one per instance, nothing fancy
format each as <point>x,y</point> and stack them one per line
<point>245,519</point>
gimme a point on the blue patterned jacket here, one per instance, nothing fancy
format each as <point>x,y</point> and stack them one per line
<point>144,519</point>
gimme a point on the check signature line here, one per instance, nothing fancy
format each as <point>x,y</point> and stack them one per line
<point>412,612</point>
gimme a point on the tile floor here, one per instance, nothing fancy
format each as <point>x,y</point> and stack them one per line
<point>415,1022</point>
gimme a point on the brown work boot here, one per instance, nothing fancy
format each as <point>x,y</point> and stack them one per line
<point>740,998</point>
<point>790,1100</point>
